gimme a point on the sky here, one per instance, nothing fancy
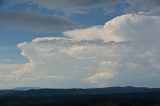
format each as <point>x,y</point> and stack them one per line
<point>79,43</point>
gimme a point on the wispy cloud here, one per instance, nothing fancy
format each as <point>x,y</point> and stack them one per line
<point>36,22</point>
<point>82,6</point>
<point>70,6</point>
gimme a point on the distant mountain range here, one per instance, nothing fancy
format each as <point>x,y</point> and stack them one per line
<point>75,91</point>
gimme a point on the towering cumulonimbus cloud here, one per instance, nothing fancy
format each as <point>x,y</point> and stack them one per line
<point>124,48</point>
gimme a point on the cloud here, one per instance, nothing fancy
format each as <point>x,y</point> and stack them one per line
<point>123,28</point>
<point>100,76</point>
<point>143,6</point>
<point>35,22</point>
<point>110,6</point>
<point>125,51</point>
<point>93,33</point>
<point>6,69</point>
<point>70,6</point>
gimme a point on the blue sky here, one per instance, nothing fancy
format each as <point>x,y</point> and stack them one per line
<point>81,42</point>
<point>11,36</point>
